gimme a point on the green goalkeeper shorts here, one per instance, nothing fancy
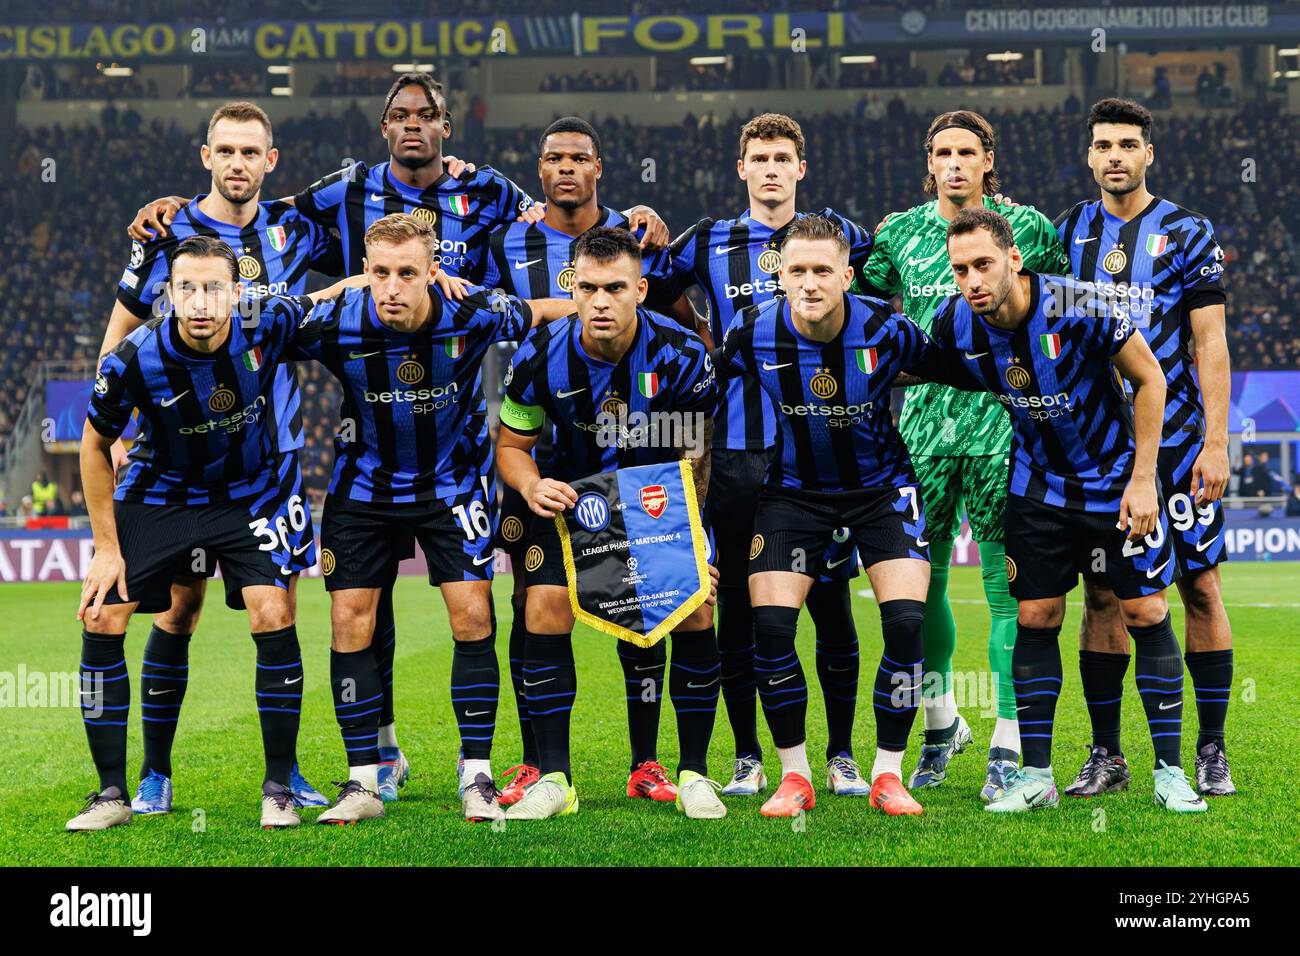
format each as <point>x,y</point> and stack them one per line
<point>978,482</point>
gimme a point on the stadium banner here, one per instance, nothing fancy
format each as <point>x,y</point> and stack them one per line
<point>281,40</point>
<point>620,35</point>
<point>635,553</point>
<point>66,401</point>
<point>1265,401</point>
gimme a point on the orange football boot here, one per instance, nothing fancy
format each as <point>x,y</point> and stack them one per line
<point>525,777</point>
<point>794,794</point>
<point>889,794</point>
<point>651,780</point>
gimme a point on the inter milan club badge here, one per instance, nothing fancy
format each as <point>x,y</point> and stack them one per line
<point>769,261</point>
<point>409,372</point>
<point>1115,261</point>
<point>425,214</point>
<point>1017,376</point>
<point>823,385</point>
<point>613,405</point>
<point>565,279</point>
<point>249,268</point>
<point>222,400</point>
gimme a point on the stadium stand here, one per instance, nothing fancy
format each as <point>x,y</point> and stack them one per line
<point>863,166</point>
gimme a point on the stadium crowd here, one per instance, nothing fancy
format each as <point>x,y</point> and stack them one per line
<point>72,229</point>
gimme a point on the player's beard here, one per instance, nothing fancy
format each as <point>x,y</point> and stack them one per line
<point>1131,184</point>
<point>253,189</point>
<point>1001,292</point>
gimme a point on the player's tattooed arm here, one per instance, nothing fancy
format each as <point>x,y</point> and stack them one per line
<point>700,454</point>
<point>1210,470</point>
<point>1139,508</point>
<point>107,568</point>
<point>153,218</point>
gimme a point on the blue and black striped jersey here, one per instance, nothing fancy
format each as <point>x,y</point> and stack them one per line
<point>207,421</point>
<point>610,415</point>
<point>835,427</point>
<point>1071,427</point>
<point>463,211</point>
<point>735,262</point>
<point>534,261</point>
<point>275,252</point>
<point>1156,268</point>
<point>415,425</point>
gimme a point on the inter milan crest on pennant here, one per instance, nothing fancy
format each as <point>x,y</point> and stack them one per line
<point>635,552</point>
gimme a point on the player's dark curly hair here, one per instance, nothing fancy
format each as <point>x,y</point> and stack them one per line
<point>1123,112</point>
<point>605,244</point>
<point>204,247</point>
<point>425,81</point>
<point>570,124</point>
<point>977,217</point>
<point>967,120</point>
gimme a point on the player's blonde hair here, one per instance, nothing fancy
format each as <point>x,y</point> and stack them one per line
<point>241,111</point>
<point>399,227</point>
<point>815,228</point>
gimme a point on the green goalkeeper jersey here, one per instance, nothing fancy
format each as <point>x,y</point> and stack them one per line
<point>910,256</point>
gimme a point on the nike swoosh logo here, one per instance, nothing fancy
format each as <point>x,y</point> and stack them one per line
<point>538,682</point>
<point>1023,707</point>
<point>773,683</point>
<point>1172,705</point>
<point>838,669</point>
<point>773,368</point>
<point>294,681</point>
<point>155,693</point>
<point>972,356</point>
<point>169,402</point>
<point>298,551</point>
<point>650,668</point>
<point>482,561</point>
<point>921,542</point>
<point>476,713</point>
<point>836,564</point>
<point>576,391</point>
<point>357,355</point>
<point>1202,545</point>
<point>376,197</point>
<point>1154,571</point>
<point>1079,242</point>
<point>709,684</point>
<point>524,265</point>
<point>1008,648</point>
<point>723,250</point>
<point>922,263</point>
<point>286,571</point>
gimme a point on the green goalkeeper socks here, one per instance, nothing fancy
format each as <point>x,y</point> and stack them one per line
<point>1002,626</point>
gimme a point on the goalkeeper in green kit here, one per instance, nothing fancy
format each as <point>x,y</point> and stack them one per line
<point>959,441</point>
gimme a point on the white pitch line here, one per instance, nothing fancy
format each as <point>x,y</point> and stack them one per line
<point>869,595</point>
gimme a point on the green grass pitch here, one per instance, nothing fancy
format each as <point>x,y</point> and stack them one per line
<point>46,765</point>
